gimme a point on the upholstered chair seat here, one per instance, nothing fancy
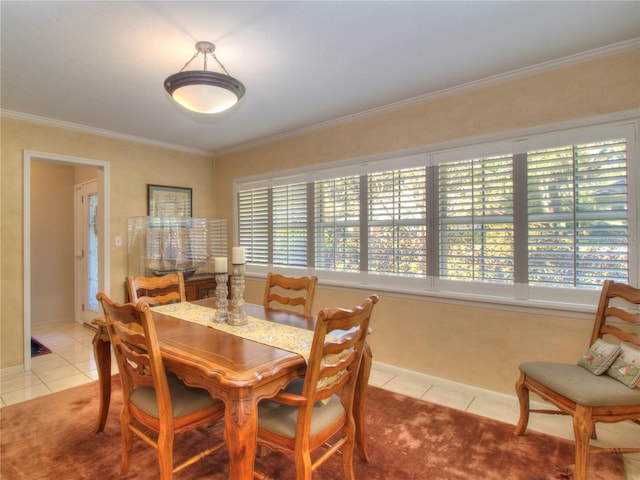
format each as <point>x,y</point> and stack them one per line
<point>281,419</point>
<point>580,385</point>
<point>184,400</point>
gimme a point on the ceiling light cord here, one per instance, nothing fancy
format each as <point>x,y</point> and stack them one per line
<point>213,55</point>
<point>192,59</point>
<point>205,48</point>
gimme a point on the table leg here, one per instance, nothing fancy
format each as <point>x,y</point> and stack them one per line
<point>102,354</point>
<point>241,431</point>
<point>358,402</point>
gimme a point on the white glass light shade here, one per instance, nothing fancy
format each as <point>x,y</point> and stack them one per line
<point>205,98</point>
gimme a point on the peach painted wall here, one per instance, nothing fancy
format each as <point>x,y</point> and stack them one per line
<point>476,345</point>
<point>132,166</point>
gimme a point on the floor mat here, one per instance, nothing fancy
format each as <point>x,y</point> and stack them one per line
<point>37,348</point>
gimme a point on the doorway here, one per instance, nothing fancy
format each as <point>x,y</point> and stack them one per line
<point>101,229</point>
<point>86,251</point>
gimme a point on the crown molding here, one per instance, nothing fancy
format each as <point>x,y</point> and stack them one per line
<point>494,79</point>
<point>458,89</point>
<point>98,131</point>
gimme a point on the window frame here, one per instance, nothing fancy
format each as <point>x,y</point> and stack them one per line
<point>518,293</point>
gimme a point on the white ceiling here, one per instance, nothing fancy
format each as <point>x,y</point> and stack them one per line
<point>101,65</point>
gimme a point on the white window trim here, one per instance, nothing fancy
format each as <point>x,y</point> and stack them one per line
<point>524,296</point>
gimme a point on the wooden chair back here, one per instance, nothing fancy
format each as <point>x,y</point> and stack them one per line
<point>612,319</point>
<point>135,345</point>
<point>156,290</point>
<point>290,292</point>
<point>150,396</point>
<point>334,360</point>
<point>330,382</point>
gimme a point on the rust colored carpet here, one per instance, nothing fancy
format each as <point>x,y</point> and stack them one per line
<point>52,438</point>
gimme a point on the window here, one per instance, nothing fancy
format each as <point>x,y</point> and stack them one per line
<point>397,222</point>
<point>524,218</point>
<point>577,213</point>
<point>289,210</point>
<point>337,224</point>
<point>475,217</point>
<point>255,224</point>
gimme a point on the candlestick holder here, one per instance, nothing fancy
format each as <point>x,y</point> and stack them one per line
<point>222,291</point>
<point>237,316</point>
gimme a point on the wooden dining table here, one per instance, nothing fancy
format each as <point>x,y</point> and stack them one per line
<point>238,371</point>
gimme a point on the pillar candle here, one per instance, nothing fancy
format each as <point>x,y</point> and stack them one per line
<point>220,265</point>
<point>237,257</point>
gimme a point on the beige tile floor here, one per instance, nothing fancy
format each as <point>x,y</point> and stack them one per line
<point>72,364</point>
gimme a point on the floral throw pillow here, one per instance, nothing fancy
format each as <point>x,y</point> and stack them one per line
<point>599,357</point>
<point>626,367</point>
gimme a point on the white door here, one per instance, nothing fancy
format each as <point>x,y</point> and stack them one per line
<point>86,248</point>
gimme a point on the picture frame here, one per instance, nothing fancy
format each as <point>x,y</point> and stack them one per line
<point>169,201</point>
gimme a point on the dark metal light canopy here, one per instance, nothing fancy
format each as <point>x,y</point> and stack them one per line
<point>204,91</point>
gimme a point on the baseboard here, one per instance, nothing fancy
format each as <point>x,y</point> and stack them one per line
<point>11,370</point>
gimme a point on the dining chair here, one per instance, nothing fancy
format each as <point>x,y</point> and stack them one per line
<point>156,406</point>
<point>309,412</point>
<point>597,389</point>
<point>156,290</point>
<point>290,292</point>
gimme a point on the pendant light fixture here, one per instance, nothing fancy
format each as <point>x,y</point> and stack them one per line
<point>204,91</point>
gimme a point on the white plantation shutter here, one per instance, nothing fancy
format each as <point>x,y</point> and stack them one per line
<point>217,238</point>
<point>207,238</point>
<point>476,220</point>
<point>337,224</point>
<point>254,221</point>
<point>578,227</point>
<point>515,218</point>
<point>397,222</point>
<point>289,213</point>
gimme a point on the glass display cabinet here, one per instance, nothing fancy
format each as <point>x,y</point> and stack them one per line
<point>160,245</point>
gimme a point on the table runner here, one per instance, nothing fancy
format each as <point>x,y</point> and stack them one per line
<point>285,337</point>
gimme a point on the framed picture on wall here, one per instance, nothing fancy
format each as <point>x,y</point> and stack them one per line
<point>166,201</point>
